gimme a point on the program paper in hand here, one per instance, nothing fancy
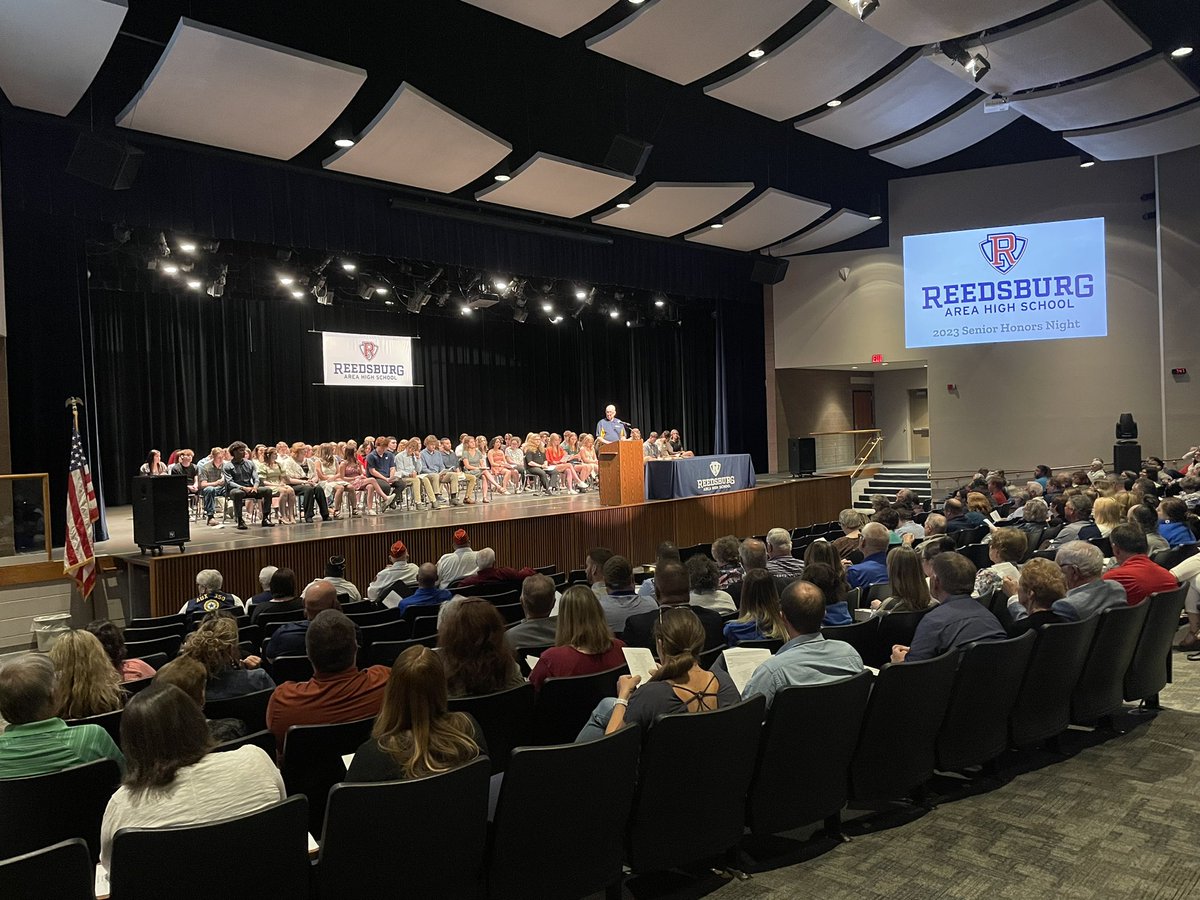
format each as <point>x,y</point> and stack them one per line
<point>640,661</point>
<point>741,662</point>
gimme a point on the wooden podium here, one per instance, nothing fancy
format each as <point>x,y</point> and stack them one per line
<point>622,473</point>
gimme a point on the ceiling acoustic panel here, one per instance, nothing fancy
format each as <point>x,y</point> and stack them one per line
<point>842,225</point>
<point>682,40</point>
<point>1149,86</point>
<point>50,50</point>
<point>905,98</point>
<point>225,89</point>
<point>769,217</point>
<point>1068,43</point>
<point>668,208</point>
<point>558,187</point>
<point>828,57</point>
<point>1166,132</point>
<point>917,22</point>
<point>555,17</point>
<point>417,141</point>
<point>940,139</point>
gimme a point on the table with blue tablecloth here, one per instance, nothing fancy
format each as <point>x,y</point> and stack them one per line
<point>698,476</point>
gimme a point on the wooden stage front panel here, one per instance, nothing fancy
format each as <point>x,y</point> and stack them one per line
<point>558,538</point>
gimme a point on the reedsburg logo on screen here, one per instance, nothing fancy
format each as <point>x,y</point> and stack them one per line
<point>1003,250</point>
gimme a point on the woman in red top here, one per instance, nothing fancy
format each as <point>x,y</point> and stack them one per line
<point>557,457</point>
<point>584,644</point>
<point>502,473</point>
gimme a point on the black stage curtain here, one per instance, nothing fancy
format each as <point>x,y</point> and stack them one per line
<point>188,372</point>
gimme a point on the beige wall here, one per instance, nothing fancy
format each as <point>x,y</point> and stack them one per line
<point>891,409</point>
<point>809,400</point>
<point>1179,230</point>
<point>1019,404</point>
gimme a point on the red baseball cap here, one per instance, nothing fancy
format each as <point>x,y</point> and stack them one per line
<point>398,549</point>
<point>460,537</point>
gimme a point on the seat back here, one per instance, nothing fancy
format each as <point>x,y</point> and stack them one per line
<point>1043,707</point>
<point>511,613</point>
<point>547,783</point>
<point>63,871</point>
<point>371,616</point>
<point>1103,543</point>
<point>138,635</point>
<point>505,717</point>
<point>158,621</point>
<point>894,628</point>
<point>312,760</point>
<point>1100,689</point>
<point>862,636</point>
<point>425,626</point>
<point>967,536</point>
<point>263,739</point>
<point>57,806</point>
<point>137,685</point>
<point>272,845</point>
<point>670,772</point>
<point>250,708</point>
<point>358,606</point>
<point>265,619</point>
<point>975,729</point>
<point>384,653</point>
<point>978,554</point>
<point>895,749</point>
<point>155,660</point>
<point>686,553</point>
<point>168,644</point>
<point>800,776</point>
<point>1173,556</point>
<point>396,630</point>
<point>442,858</point>
<point>291,668</point>
<point>880,590</point>
<point>564,704</point>
<point>109,721</point>
<point>1150,669</point>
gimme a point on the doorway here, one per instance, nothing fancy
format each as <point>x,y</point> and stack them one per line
<point>862,404</point>
<point>918,430</point>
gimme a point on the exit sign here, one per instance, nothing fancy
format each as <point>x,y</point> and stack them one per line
<point>876,357</point>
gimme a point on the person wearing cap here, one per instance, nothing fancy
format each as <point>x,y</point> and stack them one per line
<point>335,574</point>
<point>458,563</point>
<point>399,571</point>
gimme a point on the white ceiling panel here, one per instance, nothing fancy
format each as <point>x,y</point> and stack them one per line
<point>1164,133</point>
<point>50,50</point>
<point>769,217</point>
<point>225,89</point>
<point>559,187</point>
<point>668,208</point>
<point>962,129</point>
<point>682,40</point>
<point>1141,89</point>
<point>903,99</point>
<point>1069,43</point>
<point>917,22</point>
<point>824,60</point>
<point>417,141</point>
<point>842,225</point>
<point>556,17</point>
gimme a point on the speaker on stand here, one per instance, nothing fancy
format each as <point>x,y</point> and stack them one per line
<point>802,457</point>
<point>160,512</point>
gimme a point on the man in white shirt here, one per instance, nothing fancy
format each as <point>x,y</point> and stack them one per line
<point>459,563</point>
<point>335,574</point>
<point>399,571</point>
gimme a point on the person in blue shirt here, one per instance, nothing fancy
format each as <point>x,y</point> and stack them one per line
<point>873,568</point>
<point>211,598</point>
<point>957,620</point>
<point>1174,525</point>
<point>427,593</point>
<point>288,639</point>
<point>610,428</point>
<point>381,465</point>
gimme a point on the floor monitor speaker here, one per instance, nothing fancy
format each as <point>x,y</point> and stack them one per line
<point>802,456</point>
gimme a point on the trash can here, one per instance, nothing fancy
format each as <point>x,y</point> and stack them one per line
<point>48,628</point>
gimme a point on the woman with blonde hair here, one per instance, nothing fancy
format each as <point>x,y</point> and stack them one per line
<point>535,462</point>
<point>415,734</point>
<point>588,467</point>
<point>758,618</point>
<point>87,683</point>
<point>215,646</point>
<point>583,642</point>
<point>910,593</point>
<point>1106,513</point>
<point>271,473</point>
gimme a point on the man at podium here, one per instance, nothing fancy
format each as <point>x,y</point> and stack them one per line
<point>610,428</point>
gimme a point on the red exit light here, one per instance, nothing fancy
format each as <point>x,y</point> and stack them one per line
<point>876,357</point>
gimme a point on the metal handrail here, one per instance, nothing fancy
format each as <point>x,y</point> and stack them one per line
<point>868,449</point>
<point>45,477</point>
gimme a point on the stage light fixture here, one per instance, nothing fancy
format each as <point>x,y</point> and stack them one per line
<point>417,301</point>
<point>548,308</point>
<point>285,280</point>
<point>863,8</point>
<point>217,288</point>
<point>1086,161</point>
<point>520,314</point>
<point>187,246</point>
<point>660,301</point>
<point>977,67</point>
<point>1181,52</point>
<point>381,290</point>
<point>502,177</point>
<point>974,64</point>
<point>348,266</point>
<point>614,313</point>
<point>757,53</point>
<point>210,246</point>
<point>556,320</point>
<point>298,295</point>
<point>717,225</point>
<point>389,302</point>
<point>171,269</point>
<point>194,283</point>
<point>343,142</point>
<point>834,103</point>
<point>876,210</point>
<point>500,284</point>
<point>161,245</point>
<point>365,291</point>
<point>465,311</point>
<point>623,205</point>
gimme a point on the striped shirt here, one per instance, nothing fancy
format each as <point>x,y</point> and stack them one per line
<point>38,748</point>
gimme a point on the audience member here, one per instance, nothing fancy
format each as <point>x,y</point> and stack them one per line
<point>264,579</point>
<point>667,552</point>
<point>1146,518</point>
<point>780,561</point>
<point>86,683</point>
<point>190,676</point>
<point>1006,549</point>
<point>1079,527</point>
<point>490,573</point>
<point>173,779</point>
<point>399,572</point>
<point>335,574</point>
<point>593,569</point>
<point>958,618</point>
<point>726,554</point>
<point>703,576</point>
<point>1134,571</point>
<point>537,629</point>
<point>851,522</point>
<point>477,659</point>
<point>1106,513</point>
<point>907,526</point>
<point>583,642</point>
<point>459,562</point>
<point>37,741</point>
<point>806,657</point>
<point>910,592</point>
<point>935,524</point>
<point>427,593</point>
<point>1188,573</point>
<point>908,497</point>
<point>834,590</point>
<point>211,598</point>
<point>620,599</point>
<point>112,639</point>
<point>1173,526</point>
<point>215,646</point>
<point>1042,585</point>
<point>889,519</point>
<point>673,590</point>
<point>873,568</point>
<point>283,596</point>
<point>960,517</point>
<point>289,638</point>
<point>758,616</point>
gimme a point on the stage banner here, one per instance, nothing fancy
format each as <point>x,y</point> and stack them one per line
<point>698,476</point>
<point>367,360</point>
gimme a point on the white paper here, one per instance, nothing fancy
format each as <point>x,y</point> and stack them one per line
<point>874,671</point>
<point>313,847</point>
<point>640,661</point>
<point>347,759</point>
<point>740,663</point>
<point>101,884</point>
<point>996,517</point>
<point>531,661</point>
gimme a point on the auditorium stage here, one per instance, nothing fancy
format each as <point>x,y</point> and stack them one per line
<point>524,530</point>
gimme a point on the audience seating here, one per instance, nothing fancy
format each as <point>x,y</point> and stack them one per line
<point>1150,669</point>
<point>61,805</point>
<point>1043,707</point>
<point>1099,692</point>
<point>523,653</point>
<point>862,636</point>
<point>251,634</point>
<point>1103,543</point>
<point>375,617</point>
<point>155,660</point>
<point>158,621</point>
<point>686,553</point>
<point>250,708</point>
<point>138,684</point>
<point>564,704</point>
<point>1173,556</point>
<point>425,837</point>
<point>800,775</point>
<point>266,619</point>
<point>895,753</point>
<point>881,590</point>
<point>62,871</point>
<point>138,635</point>
<point>358,606</point>
<point>109,721</point>
<point>997,604</point>
<point>262,853</point>
<point>505,717</point>
<point>384,653</point>
<point>677,784</point>
<point>966,536</point>
<point>312,760</point>
<point>425,626</point>
<point>545,570</point>
<point>168,645</point>
<point>577,576</point>
<point>978,554</point>
<point>512,613</point>
<point>577,851</point>
<point>291,668</point>
<point>397,630</point>
<point>262,739</point>
<point>709,658</point>
<point>894,628</point>
<point>975,729</point>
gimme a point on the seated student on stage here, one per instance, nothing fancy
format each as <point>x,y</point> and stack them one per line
<point>241,482</point>
<point>324,470</point>
<point>556,462</point>
<point>650,446</point>
<point>215,646</point>
<point>676,444</point>
<point>86,684</point>
<point>408,471</point>
<point>112,638</point>
<point>271,474</point>
<point>211,482</point>
<point>288,639</point>
<point>588,468</point>
<point>191,677</point>
<point>381,466</point>
<point>572,448</point>
<point>1040,587</point>
<point>399,572</point>
<point>910,592</point>
<point>538,628</point>
<point>37,741</point>
<point>758,617</point>
<point>678,685</point>
<point>807,657</point>
<point>471,642</point>
<point>535,464</point>
<point>620,599</point>
<point>433,465</point>
<point>283,596</point>
<point>354,476</point>
<point>474,464</point>
<point>305,485</point>
<point>958,619</point>
<point>153,464</point>
<point>514,457</point>
<point>185,466</point>
<point>702,574</point>
<point>501,472</point>
<point>673,590</point>
<point>583,642</point>
<point>210,597</point>
<point>452,462</point>
<point>833,588</point>
<point>174,779</point>
<point>415,734</point>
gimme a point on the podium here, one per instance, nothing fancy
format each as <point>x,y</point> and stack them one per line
<point>622,473</point>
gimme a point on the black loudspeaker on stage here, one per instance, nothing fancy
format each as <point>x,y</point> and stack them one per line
<point>1127,456</point>
<point>768,270</point>
<point>802,456</point>
<point>160,511</point>
<point>110,164</point>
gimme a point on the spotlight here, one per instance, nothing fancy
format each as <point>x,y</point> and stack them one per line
<point>217,288</point>
<point>1181,52</point>
<point>660,302</point>
<point>465,310</point>
<point>556,320</point>
<point>298,295</point>
<point>210,246</point>
<point>614,313</point>
<point>187,246</point>
<point>977,67</point>
<point>502,175</point>
<point>381,290</point>
<point>389,302</point>
<point>876,210</point>
<point>834,103</point>
<point>365,291</point>
<point>343,142</point>
<point>1086,161</point>
<point>584,295</point>
<point>500,284</point>
<point>622,205</point>
<point>974,64</point>
<point>717,225</point>
<point>171,269</point>
<point>547,308</point>
<point>520,314</point>
<point>285,280</point>
<point>348,266</point>
<point>864,8</point>
<point>162,248</point>
<point>417,301</point>
<point>757,53</point>
<point>194,284</point>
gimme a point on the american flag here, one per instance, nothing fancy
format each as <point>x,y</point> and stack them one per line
<point>79,560</point>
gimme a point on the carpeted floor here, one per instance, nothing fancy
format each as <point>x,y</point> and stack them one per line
<point>1119,816</point>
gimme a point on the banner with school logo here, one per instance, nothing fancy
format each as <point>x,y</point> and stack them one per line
<point>367,360</point>
<point>698,476</point>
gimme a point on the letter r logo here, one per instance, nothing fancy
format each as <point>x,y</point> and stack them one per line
<point>1003,250</point>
